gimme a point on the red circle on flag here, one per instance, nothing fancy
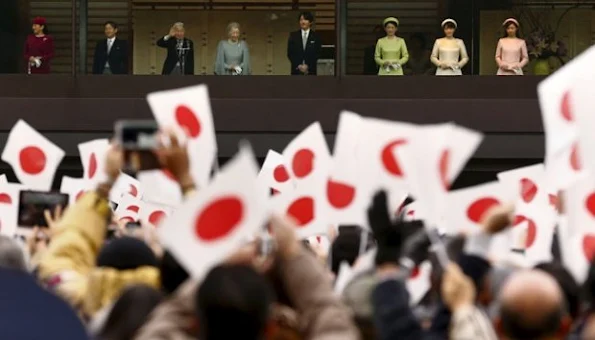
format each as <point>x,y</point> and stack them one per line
<point>219,218</point>
<point>134,208</point>
<point>303,163</point>
<point>590,204</point>
<point>302,210</point>
<point>188,121</point>
<point>5,198</point>
<point>589,246</point>
<point>127,219</point>
<point>391,164</point>
<point>531,229</point>
<point>443,168</point>
<point>156,217</point>
<point>340,195</point>
<point>414,273</point>
<point>79,195</point>
<point>92,165</point>
<point>168,174</point>
<point>566,108</point>
<point>528,190</point>
<point>479,207</point>
<point>280,174</point>
<point>32,160</point>
<point>575,161</point>
<point>133,190</point>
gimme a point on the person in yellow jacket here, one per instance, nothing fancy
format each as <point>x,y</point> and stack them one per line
<point>68,266</point>
<point>391,51</point>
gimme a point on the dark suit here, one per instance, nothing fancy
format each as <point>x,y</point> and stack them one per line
<point>298,55</point>
<point>185,58</point>
<point>117,57</point>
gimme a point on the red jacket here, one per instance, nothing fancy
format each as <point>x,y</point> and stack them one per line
<point>42,47</point>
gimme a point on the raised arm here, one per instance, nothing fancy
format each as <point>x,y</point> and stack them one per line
<point>163,41</point>
<point>464,55</point>
<point>524,55</point>
<point>434,56</point>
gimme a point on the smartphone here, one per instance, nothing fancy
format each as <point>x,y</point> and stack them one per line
<point>139,140</point>
<point>32,205</point>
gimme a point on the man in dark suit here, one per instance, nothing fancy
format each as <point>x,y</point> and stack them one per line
<point>303,47</point>
<point>180,52</point>
<point>111,54</point>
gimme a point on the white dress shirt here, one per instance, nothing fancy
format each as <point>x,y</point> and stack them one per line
<point>110,43</point>
<point>305,34</point>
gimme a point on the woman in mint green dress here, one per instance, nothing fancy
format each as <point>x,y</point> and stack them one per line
<point>391,51</point>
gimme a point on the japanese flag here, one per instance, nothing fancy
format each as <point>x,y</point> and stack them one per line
<point>125,185</point>
<point>307,206</point>
<point>308,156</point>
<point>581,107</point>
<point>33,157</point>
<point>75,188</point>
<point>347,195</point>
<point>209,227</point>
<point>556,99</point>
<point>9,208</point>
<point>576,232</point>
<point>274,174</point>
<point>153,214</point>
<point>379,159</point>
<point>467,207</point>
<point>188,112</point>
<point>128,209</point>
<point>160,187</point>
<point>93,154</point>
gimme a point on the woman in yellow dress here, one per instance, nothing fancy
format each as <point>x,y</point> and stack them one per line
<point>391,51</point>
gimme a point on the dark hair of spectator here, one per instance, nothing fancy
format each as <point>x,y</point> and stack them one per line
<point>172,274</point>
<point>130,312</point>
<point>237,294</point>
<point>567,284</point>
<point>111,23</point>
<point>307,16</point>
<point>514,324</point>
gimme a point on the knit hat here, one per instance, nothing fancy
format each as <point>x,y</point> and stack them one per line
<point>126,253</point>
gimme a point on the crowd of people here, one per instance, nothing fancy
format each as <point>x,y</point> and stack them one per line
<point>390,57</point>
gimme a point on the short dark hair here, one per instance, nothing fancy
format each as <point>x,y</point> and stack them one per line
<point>568,285</point>
<point>111,23</point>
<point>235,293</point>
<point>515,327</point>
<point>307,16</point>
<point>449,25</point>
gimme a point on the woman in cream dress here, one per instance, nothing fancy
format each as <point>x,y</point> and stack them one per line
<point>449,53</point>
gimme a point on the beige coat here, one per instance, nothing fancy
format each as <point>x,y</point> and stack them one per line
<point>322,315</point>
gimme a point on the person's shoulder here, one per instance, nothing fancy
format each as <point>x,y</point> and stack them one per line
<point>460,41</point>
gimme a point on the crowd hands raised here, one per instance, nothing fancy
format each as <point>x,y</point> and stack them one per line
<point>128,287</point>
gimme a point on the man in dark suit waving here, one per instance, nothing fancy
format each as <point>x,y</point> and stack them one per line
<point>303,47</point>
<point>180,51</point>
<point>111,54</point>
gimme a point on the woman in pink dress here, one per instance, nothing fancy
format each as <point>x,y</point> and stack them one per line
<point>511,53</point>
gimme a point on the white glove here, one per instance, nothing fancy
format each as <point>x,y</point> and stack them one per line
<point>455,67</point>
<point>37,62</point>
<point>238,70</point>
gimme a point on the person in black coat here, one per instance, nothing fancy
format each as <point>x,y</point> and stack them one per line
<point>303,47</point>
<point>111,54</point>
<point>180,51</point>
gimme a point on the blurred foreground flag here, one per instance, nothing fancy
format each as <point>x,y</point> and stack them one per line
<point>215,222</point>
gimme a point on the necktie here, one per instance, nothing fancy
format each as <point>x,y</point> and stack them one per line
<point>304,39</point>
<point>109,45</point>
